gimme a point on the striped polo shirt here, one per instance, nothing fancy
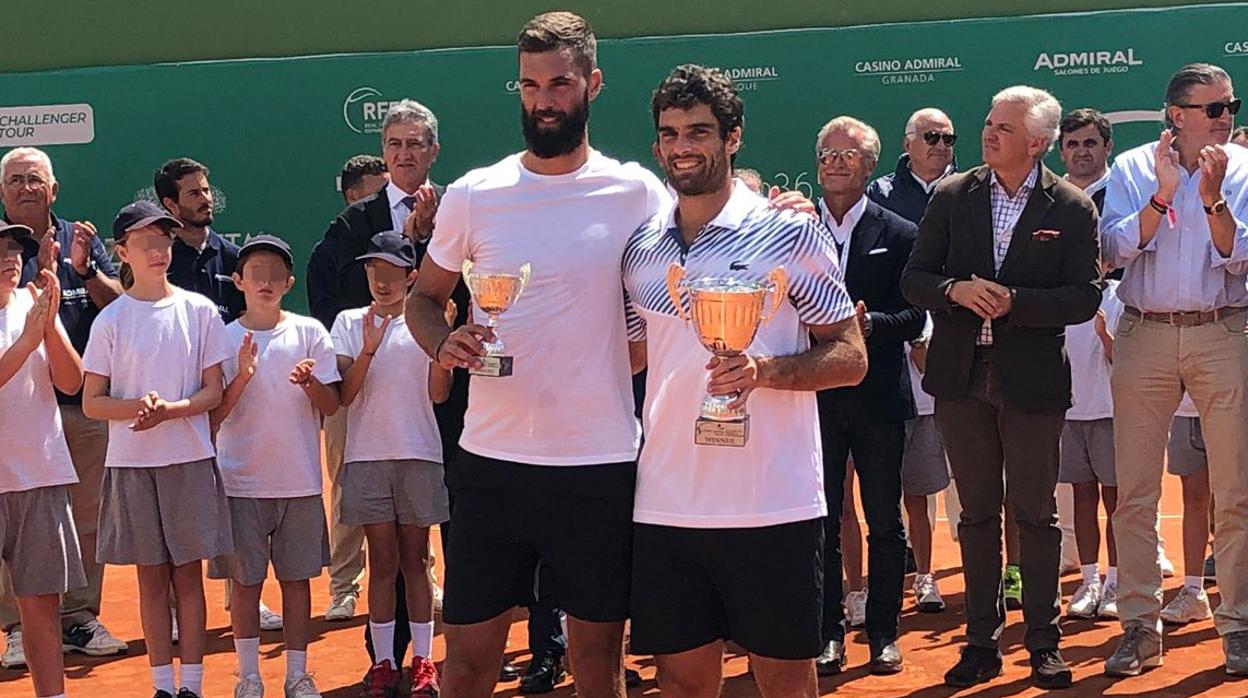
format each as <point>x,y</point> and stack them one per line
<point>778,476</point>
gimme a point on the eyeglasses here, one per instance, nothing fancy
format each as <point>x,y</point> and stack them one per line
<point>1214,110</point>
<point>18,181</point>
<point>850,156</point>
<point>931,138</point>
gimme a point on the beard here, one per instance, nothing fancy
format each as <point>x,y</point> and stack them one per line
<point>710,177</point>
<point>565,137</point>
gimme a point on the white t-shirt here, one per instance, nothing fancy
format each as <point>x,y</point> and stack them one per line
<point>392,417</point>
<point>269,445</point>
<point>33,452</point>
<point>570,399</point>
<point>165,346</point>
<point>777,477</point>
<point>1089,369</point>
<point>924,404</point>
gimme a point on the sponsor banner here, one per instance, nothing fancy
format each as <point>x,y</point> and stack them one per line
<point>53,124</point>
<point>275,133</point>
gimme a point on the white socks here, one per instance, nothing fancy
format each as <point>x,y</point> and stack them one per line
<point>1091,574</point>
<point>1194,583</point>
<point>296,665</point>
<point>1111,576</point>
<point>422,638</point>
<point>162,678</point>
<point>248,652</point>
<point>383,641</point>
<point>193,678</point>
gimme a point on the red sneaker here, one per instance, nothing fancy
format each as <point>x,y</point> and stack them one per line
<point>382,681</point>
<point>424,678</point>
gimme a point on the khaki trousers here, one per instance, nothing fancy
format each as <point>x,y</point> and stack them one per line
<point>1153,364</point>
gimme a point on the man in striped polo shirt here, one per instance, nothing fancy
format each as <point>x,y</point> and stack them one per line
<point>728,541</point>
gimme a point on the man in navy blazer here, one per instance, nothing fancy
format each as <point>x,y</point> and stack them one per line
<point>867,420</point>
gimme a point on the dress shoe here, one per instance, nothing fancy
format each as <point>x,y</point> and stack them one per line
<point>977,665</point>
<point>832,660</point>
<point>544,673</point>
<point>885,659</point>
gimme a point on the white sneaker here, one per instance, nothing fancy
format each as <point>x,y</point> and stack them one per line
<point>302,687</point>
<point>249,687</point>
<point>1109,601</point>
<point>341,608</point>
<point>1086,601</point>
<point>437,598</point>
<point>268,619</point>
<point>14,653</point>
<point>1190,605</point>
<point>926,595</point>
<point>1167,567</point>
<point>92,638</point>
<point>173,629</point>
<point>856,608</point>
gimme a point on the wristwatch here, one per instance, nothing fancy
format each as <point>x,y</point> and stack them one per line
<point>1217,209</point>
<point>91,271</point>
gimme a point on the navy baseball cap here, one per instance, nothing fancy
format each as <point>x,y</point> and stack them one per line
<point>267,243</point>
<point>141,214</point>
<point>14,229</point>
<point>391,247</point>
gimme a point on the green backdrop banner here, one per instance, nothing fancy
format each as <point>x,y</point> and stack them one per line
<point>275,132</point>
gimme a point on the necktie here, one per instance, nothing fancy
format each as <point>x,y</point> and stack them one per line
<point>409,202</point>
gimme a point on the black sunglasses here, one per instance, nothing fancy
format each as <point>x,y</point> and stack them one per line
<point>1214,109</point>
<point>931,137</point>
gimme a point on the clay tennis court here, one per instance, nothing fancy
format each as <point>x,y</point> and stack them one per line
<point>1193,660</point>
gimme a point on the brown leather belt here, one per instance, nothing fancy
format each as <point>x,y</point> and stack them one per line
<point>1185,319</point>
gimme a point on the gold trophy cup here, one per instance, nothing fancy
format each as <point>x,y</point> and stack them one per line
<point>726,313</point>
<point>494,294</point>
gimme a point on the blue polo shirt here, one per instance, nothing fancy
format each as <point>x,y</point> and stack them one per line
<point>77,312</point>
<point>208,272</point>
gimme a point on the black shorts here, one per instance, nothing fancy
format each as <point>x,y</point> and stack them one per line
<point>759,587</point>
<point>508,516</point>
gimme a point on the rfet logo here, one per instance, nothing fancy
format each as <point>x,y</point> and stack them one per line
<point>364,109</point>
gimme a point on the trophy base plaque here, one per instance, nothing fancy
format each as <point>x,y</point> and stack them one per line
<point>493,367</point>
<point>710,432</point>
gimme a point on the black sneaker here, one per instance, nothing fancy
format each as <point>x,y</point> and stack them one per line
<point>1049,670</point>
<point>544,673</point>
<point>162,694</point>
<point>187,693</point>
<point>977,665</point>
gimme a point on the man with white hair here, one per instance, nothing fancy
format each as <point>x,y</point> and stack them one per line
<point>88,282</point>
<point>866,420</point>
<point>1006,257</point>
<point>1176,221</point>
<point>928,159</point>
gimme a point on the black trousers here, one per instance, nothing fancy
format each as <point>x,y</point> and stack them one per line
<point>876,446</point>
<point>986,437</point>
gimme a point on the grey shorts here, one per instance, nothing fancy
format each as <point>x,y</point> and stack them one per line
<point>39,543</point>
<point>411,492</point>
<point>1186,453</point>
<point>173,514</point>
<point>290,532</point>
<point>924,469</point>
<point>1087,452</point>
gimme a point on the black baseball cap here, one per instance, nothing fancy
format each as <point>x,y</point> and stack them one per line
<point>391,247</point>
<point>14,229</point>
<point>267,243</point>
<point>141,214</point>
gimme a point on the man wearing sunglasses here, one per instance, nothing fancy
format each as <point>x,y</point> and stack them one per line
<point>866,420</point>
<point>1176,220</point>
<point>928,159</point>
